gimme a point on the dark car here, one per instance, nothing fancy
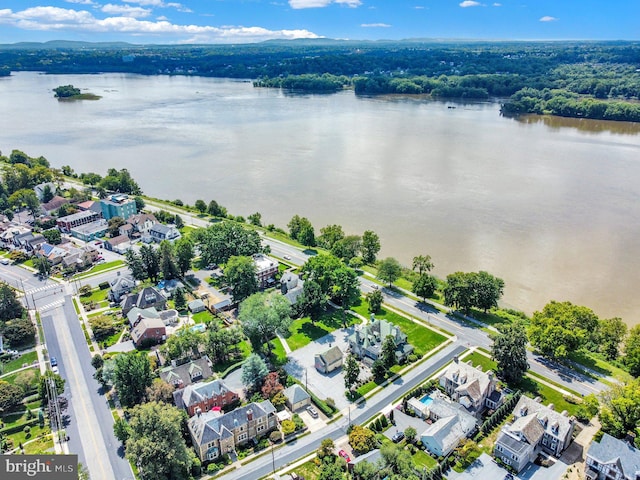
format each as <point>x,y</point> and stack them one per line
<point>398,437</point>
<point>54,362</point>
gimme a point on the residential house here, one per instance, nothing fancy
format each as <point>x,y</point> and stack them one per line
<point>119,244</point>
<point>196,306</point>
<point>373,457</point>
<point>329,360</point>
<point>54,204</point>
<point>65,224</point>
<point>68,255</point>
<point>266,269</point>
<point>147,328</point>
<point>169,287</point>
<point>120,286</point>
<point>366,341</point>
<point>118,205</point>
<point>9,234</point>
<point>202,397</point>
<point>141,224</point>
<point>181,376</point>
<point>29,242</point>
<point>90,231</point>
<point>90,205</point>
<point>214,434</point>
<point>450,424</point>
<point>612,459</point>
<point>160,232</point>
<point>291,286</point>
<point>469,386</point>
<point>147,298</point>
<point>536,427</point>
<point>297,397</point>
<point>42,187</point>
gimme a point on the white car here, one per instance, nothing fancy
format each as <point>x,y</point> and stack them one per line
<point>5,261</point>
<point>287,257</point>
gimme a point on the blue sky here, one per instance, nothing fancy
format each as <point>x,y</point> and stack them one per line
<point>241,21</point>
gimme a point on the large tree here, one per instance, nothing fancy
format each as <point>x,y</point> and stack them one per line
<point>346,287</point>
<point>184,343</point>
<point>201,206</point>
<point>224,240</point>
<point>632,351</point>
<point>312,301</point>
<point>388,352</point>
<point>562,327</point>
<point>19,332</point>
<point>262,315</point>
<point>389,270</point>
<point>151,260</point>
<point>135,264</point>
<point>10,306</point>
<point>240,274</point>
<point>347,248</point>
<point>351,371</point>
<point>362,440</point>
<point>132,376</point>
<point>254,371</point>
<point>509,350</point>
<point>221,343</point>
<point>620,409</point>
<point>374,299</point>
<point>156,442</point>
<point>425,286</point>
<point>611,332</point>
<point>167,261</point>
<point>370,246</point>
<point>422,264</point>
<point>488,290</point>
<point>329,235</point>
<point>184,254</point>
<point>10,395</point>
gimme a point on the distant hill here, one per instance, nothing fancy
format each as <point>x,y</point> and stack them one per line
<point>66,44</point>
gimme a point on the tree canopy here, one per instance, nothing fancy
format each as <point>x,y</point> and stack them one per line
<point>262,315</point>
<point>509,350</point>
<point>132,376</point>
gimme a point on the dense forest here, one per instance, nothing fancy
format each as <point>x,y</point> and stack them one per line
<point>582,79</point>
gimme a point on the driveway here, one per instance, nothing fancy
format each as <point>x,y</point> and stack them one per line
<point>403,421</point>
<point>301,366</point>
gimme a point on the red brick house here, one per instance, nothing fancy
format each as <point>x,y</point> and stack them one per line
<point>202,397</point>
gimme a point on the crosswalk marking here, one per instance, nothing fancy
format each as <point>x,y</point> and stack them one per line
<point>52,305</point>
<point>41,289</point>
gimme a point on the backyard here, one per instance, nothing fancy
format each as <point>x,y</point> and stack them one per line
<point>304,331</point>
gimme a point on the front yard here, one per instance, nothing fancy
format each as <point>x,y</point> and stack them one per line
<point>422,338</point>
<point>304,331</point>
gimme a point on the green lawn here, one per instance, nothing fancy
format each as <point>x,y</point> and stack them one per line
<point>278,351</point>
<point>100,268</point>
<point>308,470</point>
<point>95,296</point>
<point>12,365</point>
<point>245,350</point>
<point>421,459</point>
<point>480,359</point>
<point>422,338</point>
<point>303,331</point>
<point>592,362</point>
<point>201,317</point>
<point>40,445</point>
<point>21,437</point>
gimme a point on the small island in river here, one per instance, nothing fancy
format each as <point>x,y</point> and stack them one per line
<point>69,92</point>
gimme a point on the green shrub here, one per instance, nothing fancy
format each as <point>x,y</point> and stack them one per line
<point>103,285</point>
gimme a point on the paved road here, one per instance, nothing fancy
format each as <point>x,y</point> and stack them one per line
<point>263,466</point>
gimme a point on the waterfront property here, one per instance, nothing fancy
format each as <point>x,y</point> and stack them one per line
<point>214,434</point>
<point>118,205</point>
<point>329,360</point>
<point>266,269</point>
<point>612,459</point>
<point>65,224</point>
<point>366,341</point>
<point>536,428</point>
<point>90,231</point>
<point>160,232</point>
<point>470,386</point>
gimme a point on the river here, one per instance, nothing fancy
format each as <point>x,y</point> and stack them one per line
<point>550,205</point>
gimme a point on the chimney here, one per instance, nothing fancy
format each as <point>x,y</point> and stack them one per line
<point>249,415</point>
<point>551,406</point>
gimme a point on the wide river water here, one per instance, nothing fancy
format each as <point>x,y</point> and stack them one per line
<point>550,205</point>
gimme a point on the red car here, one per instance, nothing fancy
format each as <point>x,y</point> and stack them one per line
<point>344,455</point>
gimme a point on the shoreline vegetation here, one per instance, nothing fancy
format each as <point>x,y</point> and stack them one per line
<point>578,79</point>
<point>66,93</point>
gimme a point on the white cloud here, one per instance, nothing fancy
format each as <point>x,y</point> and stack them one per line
<point>419,7</point>
<point>82,2</point>
<point>126,10</point>
<point>547,18</point>
<point>375,25</point>
<point>469,3</point>
<point>299,4</point>
<point>497,4</point>
<point>160,4</point>
<point>61,19</point>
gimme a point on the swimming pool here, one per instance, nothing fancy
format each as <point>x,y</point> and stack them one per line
<point>426,400</point>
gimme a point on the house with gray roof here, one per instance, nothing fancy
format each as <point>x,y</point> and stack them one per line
<point>297,397</point>
<point>450,423</point>
<point>328,361</point>
<point>196,306</point>
<point>214,434</point>
<point>535,427</point>
<point>181,376</point>
<point>54,204</point>
<point>611,458</point>
<point>202,397</point>
<point>366,341</point>
<point>147,298</point>
<point>291,286</point>
<point>470,386</point>
<point>147,328</point>
<point>160,232</point>
<point>120,286</point>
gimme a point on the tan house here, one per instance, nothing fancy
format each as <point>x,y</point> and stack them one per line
<point>470,386</point>
<point>297,397</point>
<point>214,434</point>
<point>328,361</point>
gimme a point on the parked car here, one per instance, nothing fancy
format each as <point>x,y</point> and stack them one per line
<point>398,437</point>
<point>312,411</point>
<point>5,261</point>
<point>344,455</point>
<point>287,257</point>
<point>54,365</point>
